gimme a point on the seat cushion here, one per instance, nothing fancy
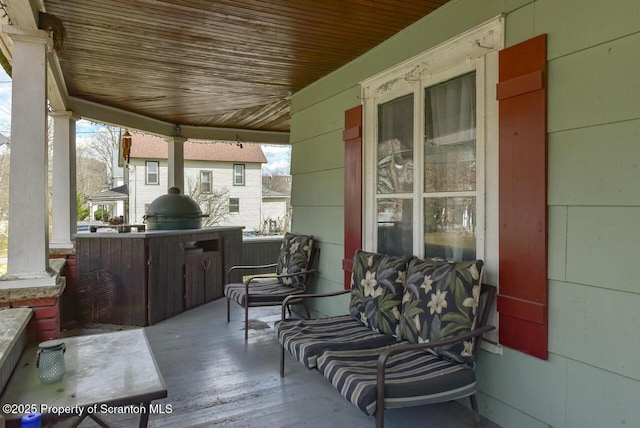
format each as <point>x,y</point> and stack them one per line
<point>412,378</point>
<point>295,252</point>
<point>377,284</point>
<point>262,292</point>
<point>440,300</point>
<point>306,339</point>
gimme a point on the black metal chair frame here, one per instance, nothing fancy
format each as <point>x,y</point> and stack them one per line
<point>312,267</point>
<point>487,296</point>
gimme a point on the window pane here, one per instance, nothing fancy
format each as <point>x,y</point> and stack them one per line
<point>152,172</point>
<point>450,228</point>
<point>395,226</point>
<point>238,174</point>
<point>205,181</point>
<point>450,136</point>
<point>395,146</point>
<point>234,205</point>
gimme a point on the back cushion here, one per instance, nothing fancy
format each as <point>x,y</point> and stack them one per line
<point>440,300</point>
<point>377,284</point>
<point>294,257</point>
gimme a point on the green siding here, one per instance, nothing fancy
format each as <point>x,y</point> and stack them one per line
<point>506,416</point>
<point>592,377</point>
<point>594,326</point>
<point>532,386</point>
<point>575,155</point>
<point>557,242</point>
<point>312,189</point>
<point>574,25</point>
<point>595,86</point>
<point>324,151</point>
<point>602,246</point>
<point>598,398</point>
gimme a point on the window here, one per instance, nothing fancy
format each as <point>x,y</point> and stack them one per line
<point>238,175</point>
<point>153,173</point>
<point>427,124</point>
<point>205,182</point>
<point>234,205</point>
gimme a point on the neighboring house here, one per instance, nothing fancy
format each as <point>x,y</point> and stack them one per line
<point>211,166</point>
<point>276,204</point>
<point>114,202</point>
<point>275,211</point>
<point>584,325</point>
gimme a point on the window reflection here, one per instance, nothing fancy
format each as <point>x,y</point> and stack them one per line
<point>395,231</point>
<point>450,228</point>
<point>395,146</point>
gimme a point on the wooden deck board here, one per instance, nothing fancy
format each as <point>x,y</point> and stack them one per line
<point>216,379</point>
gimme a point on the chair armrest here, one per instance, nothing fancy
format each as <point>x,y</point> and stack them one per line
<point>301,297</point>
<point>397,349</point>
<point>270,265</point>
<point>283,275</point>
<point>242,267</point>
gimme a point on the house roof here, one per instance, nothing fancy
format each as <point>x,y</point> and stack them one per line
<point>270,193</point>
<point>145,146</point>
<point>116,193</point>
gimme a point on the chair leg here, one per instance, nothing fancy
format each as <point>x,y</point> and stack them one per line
<point>282,362</point>
<point>246,322</point>
<point>228,309</point>
<point>379,416</point>
<point>474,406</point>
<point>306,308</point>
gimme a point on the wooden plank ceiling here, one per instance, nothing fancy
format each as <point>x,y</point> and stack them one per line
<point>221,63</point>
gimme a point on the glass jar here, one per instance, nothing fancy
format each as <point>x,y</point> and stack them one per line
<point>50,361</point>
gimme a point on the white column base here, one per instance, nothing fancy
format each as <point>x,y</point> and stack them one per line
<point>23,280</point>
<point>22,290</point>
<point>61,245</point>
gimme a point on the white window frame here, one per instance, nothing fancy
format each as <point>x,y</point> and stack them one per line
<point>234,205</point>
<point>240,174</point>
<point>204,173</point>
<point>474,50</point>
<point>157,172</point>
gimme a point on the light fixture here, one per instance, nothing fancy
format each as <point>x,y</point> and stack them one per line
<point>127,141</point>
<point>177,131</point>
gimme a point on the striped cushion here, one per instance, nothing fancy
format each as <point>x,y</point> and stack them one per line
<point>306,339</point>
<point>412,378</point>
<point>262,291</point>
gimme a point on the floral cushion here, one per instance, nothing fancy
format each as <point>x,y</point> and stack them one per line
<point>295,252</point>
<point>440,300</point>
<point>377,284</point>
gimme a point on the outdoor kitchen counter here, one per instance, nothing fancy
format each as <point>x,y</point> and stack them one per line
<point>155,233</point>
<point>140,278</point>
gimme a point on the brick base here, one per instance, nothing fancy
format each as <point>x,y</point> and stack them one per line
<point>46,320</point>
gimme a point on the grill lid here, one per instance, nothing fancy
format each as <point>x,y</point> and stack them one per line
<point>174,204</point>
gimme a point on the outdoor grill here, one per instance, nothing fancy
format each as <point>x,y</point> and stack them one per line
<point>174,211</point>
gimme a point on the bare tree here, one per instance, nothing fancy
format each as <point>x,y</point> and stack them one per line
<point>104,147</point>
<point>216,203</point>
<point>91,174</point>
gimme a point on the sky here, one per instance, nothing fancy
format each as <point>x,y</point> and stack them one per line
<point>278,156</point>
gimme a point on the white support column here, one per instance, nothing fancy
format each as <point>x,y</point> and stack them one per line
<point>28,256</point>
<point>176,163</point>
<point>63,205</point>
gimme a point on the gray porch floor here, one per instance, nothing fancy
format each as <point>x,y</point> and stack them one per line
<point>216,379</point>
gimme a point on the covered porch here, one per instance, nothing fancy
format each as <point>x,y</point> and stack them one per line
<point>319,76</point>
<point>224,381</point>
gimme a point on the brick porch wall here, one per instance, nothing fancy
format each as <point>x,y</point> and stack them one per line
<point>45,324</point>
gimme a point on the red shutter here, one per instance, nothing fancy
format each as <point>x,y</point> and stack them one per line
<point>352,137</point>
<point>522,300</point>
